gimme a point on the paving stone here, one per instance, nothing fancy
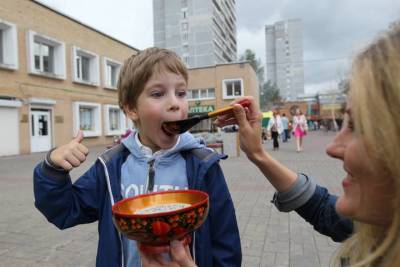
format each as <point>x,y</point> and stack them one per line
<point>269,237</point>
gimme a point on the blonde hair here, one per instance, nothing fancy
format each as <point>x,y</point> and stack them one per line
<point>138,69</point>
<point>375,103</point>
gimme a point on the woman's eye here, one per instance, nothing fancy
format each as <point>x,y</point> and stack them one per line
<point>349,123</point>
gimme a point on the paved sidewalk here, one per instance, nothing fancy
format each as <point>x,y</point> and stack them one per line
<point>269,238</point>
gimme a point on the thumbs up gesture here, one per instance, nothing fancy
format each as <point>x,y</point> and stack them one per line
<point>70,155</point>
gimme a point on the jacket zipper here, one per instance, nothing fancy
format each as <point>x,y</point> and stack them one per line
<point>150,177</point>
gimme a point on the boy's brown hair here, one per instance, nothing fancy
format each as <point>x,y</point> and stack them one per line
<point>138,69</point>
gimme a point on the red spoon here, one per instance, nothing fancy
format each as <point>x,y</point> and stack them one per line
<point>181,126</point>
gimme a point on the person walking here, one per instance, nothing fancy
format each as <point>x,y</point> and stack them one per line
<point>275,128</point>
<point>285,125</point>
<point>300,129</point>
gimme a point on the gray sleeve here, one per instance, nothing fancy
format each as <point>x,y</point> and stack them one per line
<point>51,170</point>
<point>296,196</point>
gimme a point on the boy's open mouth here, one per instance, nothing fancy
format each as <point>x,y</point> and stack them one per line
<point>167,131</point>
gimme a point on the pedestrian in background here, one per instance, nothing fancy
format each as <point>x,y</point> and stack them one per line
<point>300,129</point>
<point>275,128</point>
<point>285,125</point>
<point>371,188</point>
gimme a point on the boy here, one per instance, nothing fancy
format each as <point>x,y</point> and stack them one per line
<point>151,89</point>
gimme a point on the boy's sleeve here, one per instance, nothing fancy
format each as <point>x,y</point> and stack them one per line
<point>226,248</point>
<point>65,204</point>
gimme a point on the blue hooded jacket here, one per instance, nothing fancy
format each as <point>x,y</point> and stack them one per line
<point>90,198</point>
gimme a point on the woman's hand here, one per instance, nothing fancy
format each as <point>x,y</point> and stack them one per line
<point>249,121</point>
<point>180,257</point>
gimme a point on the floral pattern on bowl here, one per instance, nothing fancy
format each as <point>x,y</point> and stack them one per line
<point>161,228</point>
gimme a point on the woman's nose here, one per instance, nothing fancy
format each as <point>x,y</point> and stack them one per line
<point>337,147</point>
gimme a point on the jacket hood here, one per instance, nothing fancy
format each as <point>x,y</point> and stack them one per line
<point>186,141</point>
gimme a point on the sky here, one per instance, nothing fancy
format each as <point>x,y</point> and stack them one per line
<point>333,31</point>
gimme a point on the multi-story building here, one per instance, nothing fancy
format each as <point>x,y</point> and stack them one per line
<point>284,57</point>
<point>57,75</point>
<point>203,33</point>
<point>214,87</point>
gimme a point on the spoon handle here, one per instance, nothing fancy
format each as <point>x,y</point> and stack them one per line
<point>244,103</point>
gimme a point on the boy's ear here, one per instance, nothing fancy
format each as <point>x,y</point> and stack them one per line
<point>131,113</point>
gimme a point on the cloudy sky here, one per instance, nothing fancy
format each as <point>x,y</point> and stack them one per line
<point>333,30</point>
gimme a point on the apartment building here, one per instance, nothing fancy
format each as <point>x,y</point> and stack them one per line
<point>57,75</point>
<point>214,87</point>
<point>203,33</point>
<point>284,57</point>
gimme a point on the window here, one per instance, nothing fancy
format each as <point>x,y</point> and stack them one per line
<point>87,118</point>
<point>201,94</point>
<point>86,67</point>
<point>1,47</point>
<point>111,73</point>
<point>185,49</point>
<point>184,13</point>
<point>232,88</point>
<point>46,56</point>
<point>185,26</point>
<point>8,45</point>
<point>211,93</point>
<point>115,121</point>
<point>186,59</point>
<point>185,37</point>
<point>82,68</point>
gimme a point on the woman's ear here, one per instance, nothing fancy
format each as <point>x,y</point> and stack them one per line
<point>131,113</point>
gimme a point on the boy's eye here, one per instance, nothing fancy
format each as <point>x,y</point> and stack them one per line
<point>181,93</point>
<point>156,94</point>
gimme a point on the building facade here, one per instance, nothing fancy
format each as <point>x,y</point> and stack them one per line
<point>214,87</point>
<point>203,33</point>
<point>57,75</point>
<point>284,57</point>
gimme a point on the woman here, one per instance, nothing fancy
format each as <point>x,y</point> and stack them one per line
<point>368,146</point>
<point>275,128</point>
<point>299,128</point>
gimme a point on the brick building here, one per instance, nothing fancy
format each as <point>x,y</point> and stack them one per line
<point>56,75</point>
<point>214,87</point>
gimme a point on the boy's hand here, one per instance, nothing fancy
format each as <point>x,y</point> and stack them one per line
<point>180,256</point>
<point>70,155</point>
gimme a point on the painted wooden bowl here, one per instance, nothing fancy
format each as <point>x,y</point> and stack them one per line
<point>156,219</point>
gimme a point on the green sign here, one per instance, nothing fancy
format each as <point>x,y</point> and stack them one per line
<point>201,109</point>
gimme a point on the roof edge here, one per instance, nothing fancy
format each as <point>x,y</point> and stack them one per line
<point>83,24</point>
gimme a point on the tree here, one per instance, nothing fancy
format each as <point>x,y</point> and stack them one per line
<point>256,64</point>
<point>269,96</point>
<point>250,56</point>
<point>344,85</point>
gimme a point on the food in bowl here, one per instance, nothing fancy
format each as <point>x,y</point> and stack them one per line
<point>162,208</point>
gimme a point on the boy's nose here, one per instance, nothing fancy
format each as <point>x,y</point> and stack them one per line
<point>173,104</point>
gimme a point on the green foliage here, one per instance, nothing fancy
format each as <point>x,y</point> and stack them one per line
<point>250,56</point>
<point>269,96</point>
